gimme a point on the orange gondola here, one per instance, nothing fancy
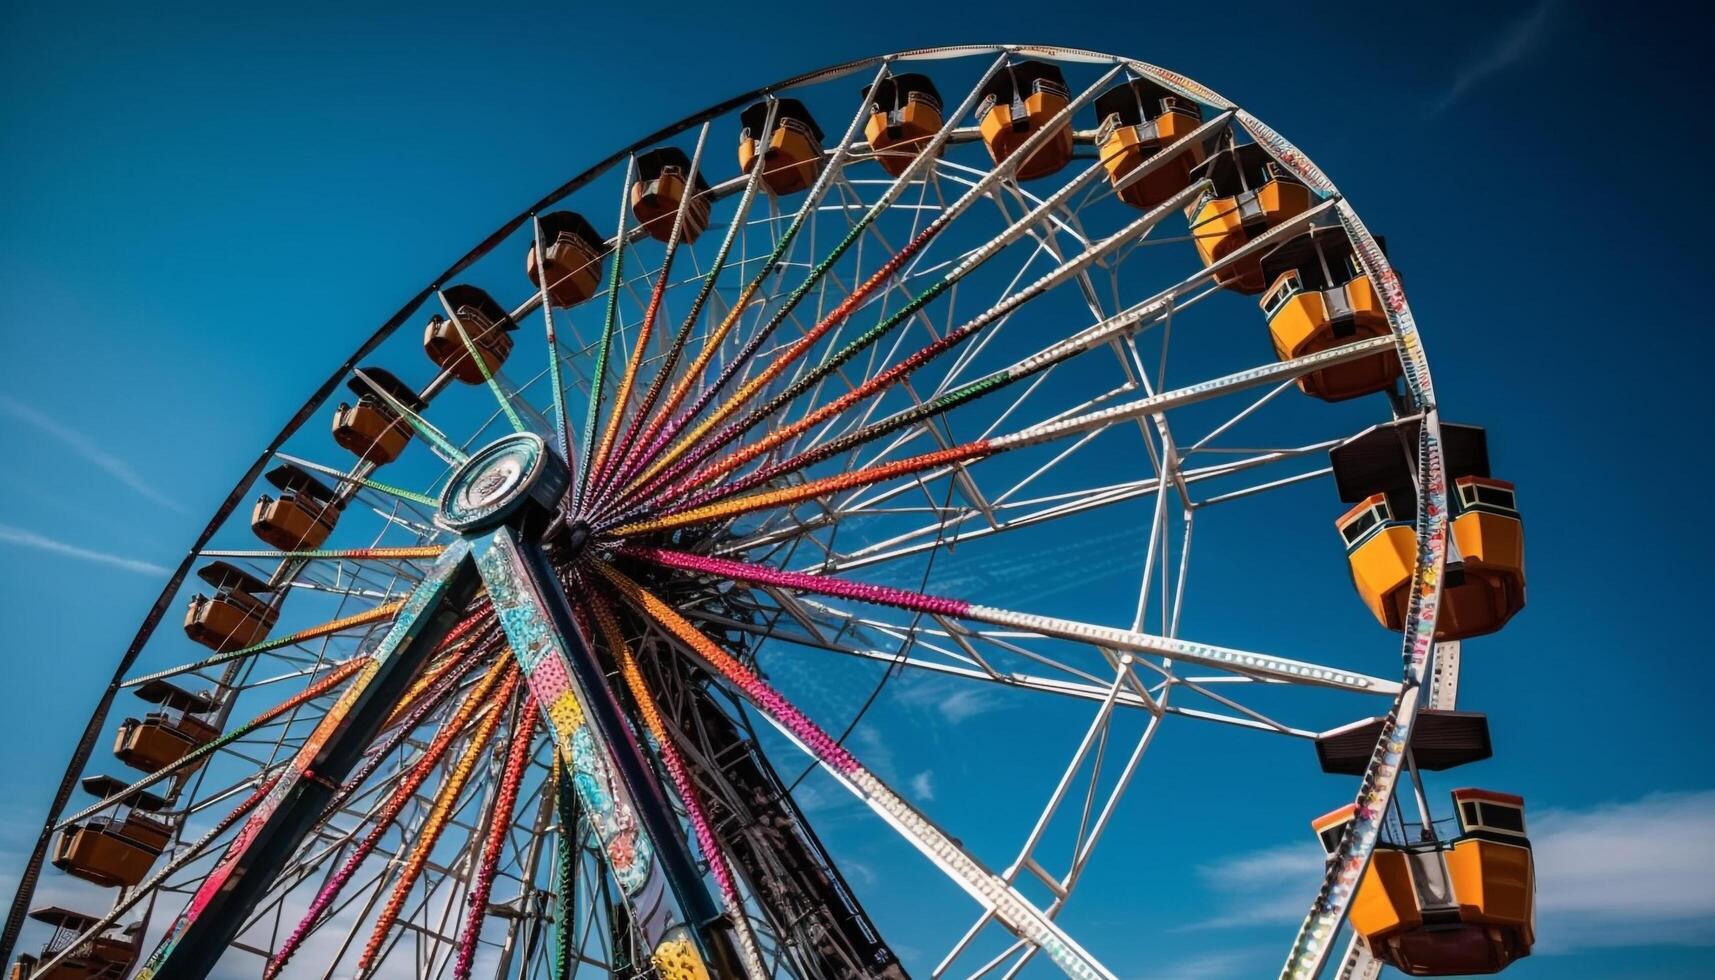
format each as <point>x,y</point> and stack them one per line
<point>1139,120</point>
<point>1484,584</point>
<point>1017,101</point>
<point>118,848</point>
<point>1430,907</point>
<point>163,737</point>
<point>371,427</point>
<point>572,254</point>
<point>486,325</point>
<point>107,955</point>
<point>236,616</point>
<point>1249,194</point>
<point>905,114</point>
<point>791,151</point>
<point>1320,298</point>
<point>302,517</point>
<point>659,190</point>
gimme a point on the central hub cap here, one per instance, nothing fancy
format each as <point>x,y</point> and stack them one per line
<point>502,480</point>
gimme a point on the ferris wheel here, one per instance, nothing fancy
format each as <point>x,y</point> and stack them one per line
<point>497,675</point>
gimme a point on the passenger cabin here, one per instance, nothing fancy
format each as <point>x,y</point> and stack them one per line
<point>1139,120</point>
<point>1430,907</point>
<point>117,848</point>
<point>107,955</point>
<point>1017,101</point>
<point>572,253</point>
<point>1319,298</point>
<point>169,733</point>
<point>371,427</point>
<point>904,115</point>
<point>302,517</point>
<point>486,324</point>
<point>660,190</point>
<point>791,152</point>
<point>1250,193</point>
<point>1484,584</point>
<point>236,616</point>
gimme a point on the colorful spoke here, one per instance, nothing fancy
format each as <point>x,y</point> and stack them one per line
<point>437,439</point>
<point>661,431</point>
<point>774,499</point>
<point>338,675</point>
<point>369,617</point>
<point>481,362</point>
<point>675,766</point>
<point>566,866</point>
<point>475,702</point>
<point>362,481</point>
<point>982,884</point>
<point>185,857</point>
<point>899,370</point>
<point>556,383</point>
<point>446,798</point>
<point>640,346</point>
<point>1104,636</point>
<point>582,477</point>
<point>977,192</point>
<point>841,311</point>
<point>632,443</point>
<point>336,554</point>
<point>499,827</point>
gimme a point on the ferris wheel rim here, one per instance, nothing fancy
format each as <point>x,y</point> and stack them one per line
<point>320,396</point>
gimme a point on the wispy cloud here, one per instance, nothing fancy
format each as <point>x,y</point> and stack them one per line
<point>1262,887</point>
<point>923,786</point>
<point>1627,874</point>
<point>955,700</point>
<point>1227,964</point>
<point>1617,874</point>
<point>89,450</point>
<point>30,539</point>
<point>1504,51</point>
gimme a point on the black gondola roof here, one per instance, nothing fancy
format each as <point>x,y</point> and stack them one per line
<point>650,165</point>
<point>556,222</point>
<point>1136,101</point>
<point>753,117</point>
<point>1021,76</point>
<point>225,575</point>
<point>463,294</point>
<point>1380,459</point>
<point>289,478</point>
<point>169,695</point>
<point>1229,165</point>
<point>385,380</point>
<point>104,786</point>
<point>895,90</point>
<point>1300,253</point>
<point>63,918</point>
<point>1441,740</point>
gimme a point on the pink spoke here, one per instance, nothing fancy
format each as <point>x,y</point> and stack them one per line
<point>517,760</point>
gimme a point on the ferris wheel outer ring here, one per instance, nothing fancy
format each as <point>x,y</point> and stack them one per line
<point>1317,934</point>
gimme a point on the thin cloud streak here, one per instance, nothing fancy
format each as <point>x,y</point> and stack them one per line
<point>88,449</point>
<point>1518,40</point>
<point>30,539</point>
<point>1637,873</point>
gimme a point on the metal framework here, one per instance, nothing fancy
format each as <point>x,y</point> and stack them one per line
<point>522,716</point>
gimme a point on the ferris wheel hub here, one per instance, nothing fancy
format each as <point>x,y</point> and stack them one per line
<point>499,484</point>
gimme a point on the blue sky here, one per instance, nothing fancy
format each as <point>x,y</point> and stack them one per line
<point>206,207</point>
